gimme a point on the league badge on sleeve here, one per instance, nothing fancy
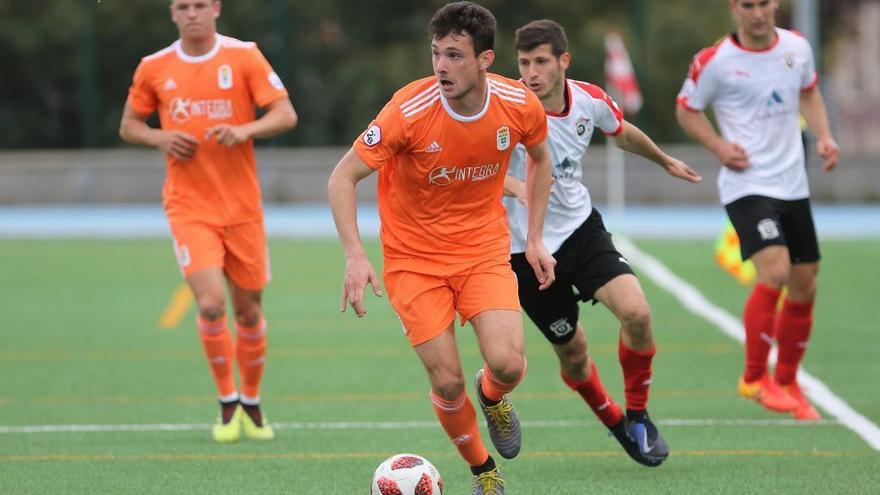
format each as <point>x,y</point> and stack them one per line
<point>373,135</point>
<point>502,138</point>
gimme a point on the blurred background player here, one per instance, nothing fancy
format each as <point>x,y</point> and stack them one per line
<point>757,79</point>
<point>441,146</point>
<point>205,87</point>
<point>586,258</point>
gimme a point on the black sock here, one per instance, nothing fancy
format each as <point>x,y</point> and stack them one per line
<point>253,411</point>
<point>636,414</point>
<point>227,409</point>
<point>484,467</point>
<point>485,400</point>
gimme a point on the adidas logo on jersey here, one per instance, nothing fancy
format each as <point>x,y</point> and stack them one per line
<point>434,148</point>
<point>169,85</point>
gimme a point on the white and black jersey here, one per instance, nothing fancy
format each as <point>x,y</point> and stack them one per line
<point>569,134</point>
<point>755,95</point>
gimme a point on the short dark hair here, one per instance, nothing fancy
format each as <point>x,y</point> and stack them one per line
<point>537,33</point>
<point>465,17</point>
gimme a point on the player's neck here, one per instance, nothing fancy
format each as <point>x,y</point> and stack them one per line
<point>472,102</point>
<point>555,100</point>
<point>196,47</point>
<point>756,42</point>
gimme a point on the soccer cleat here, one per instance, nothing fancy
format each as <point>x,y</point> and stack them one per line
<point>768,393</point>
<point>254,432</point>
<point>805,411</point>
<point>652,449</point>
<point>618,431</point>
<point>230,431</point>
<point>489,483</point>
<point>503,424</point>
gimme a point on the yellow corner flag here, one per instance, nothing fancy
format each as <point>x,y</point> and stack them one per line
<point>728,256</point>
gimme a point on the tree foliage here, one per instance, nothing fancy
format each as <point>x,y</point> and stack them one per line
<point>68,63</point>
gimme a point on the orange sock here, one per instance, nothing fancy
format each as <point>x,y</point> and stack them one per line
<point>459,419</point>
<point>493,388</point>
<point>217,342</point>
<point>250,349</point>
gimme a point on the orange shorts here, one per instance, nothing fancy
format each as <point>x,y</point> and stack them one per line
<point>426,295</point>
<point>240,250</point>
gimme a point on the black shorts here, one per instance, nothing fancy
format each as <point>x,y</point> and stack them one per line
<point>587,260</point>
<point>761,221</point>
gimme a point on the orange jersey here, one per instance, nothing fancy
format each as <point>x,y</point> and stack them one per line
<point>219,185</point>
<point>441,175</point>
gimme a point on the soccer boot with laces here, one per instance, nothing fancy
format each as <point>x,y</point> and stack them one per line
<point>618,431</point>
<point>503,424</point>
<point>489,483</point>
<point>253,431</point>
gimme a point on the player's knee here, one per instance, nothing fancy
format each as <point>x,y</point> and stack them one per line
<point>211,308</point>
<point>637,318</point>
<point>448,388</point>
<point>248,317</point>
<point>510,370</point>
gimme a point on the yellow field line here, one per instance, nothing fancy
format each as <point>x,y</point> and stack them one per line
<point>332,456</point>
<point>180,303</point>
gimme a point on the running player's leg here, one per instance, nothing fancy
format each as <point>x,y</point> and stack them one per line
<point>200,252</point>
<point>424,304</point>
<point>795,320</point>
<point>757,223</point>
<point>246,265</point>
<point>486,295</point>
<point>624,297</point>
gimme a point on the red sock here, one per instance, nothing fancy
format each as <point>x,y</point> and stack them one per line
<point>758,319</point>
<point>792,332</point>
<point>493,388</point>
<point>459,420</point>
<point>636,375</point>
<point>594,394</point>
<point>250,349</point>
<point>217,342</point>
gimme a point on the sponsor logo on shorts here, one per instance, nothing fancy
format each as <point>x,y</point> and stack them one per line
<point>623,260</point>
<point>768,229</point>
<point>183,258</point>
<point>561,327</point>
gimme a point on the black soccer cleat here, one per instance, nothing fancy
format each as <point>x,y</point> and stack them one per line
<point>641,441</point>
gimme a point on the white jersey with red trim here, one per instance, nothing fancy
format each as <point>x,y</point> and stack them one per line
<point>568,138</point>
<point>756,99</point>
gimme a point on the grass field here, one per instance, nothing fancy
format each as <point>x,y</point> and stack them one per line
<point>81,345</point>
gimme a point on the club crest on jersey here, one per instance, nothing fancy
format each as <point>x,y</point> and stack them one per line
<point>788,58</point>
<point>583,126</point>
<point>373,135</point>
<point>224,77</point>
<point>502,138</point>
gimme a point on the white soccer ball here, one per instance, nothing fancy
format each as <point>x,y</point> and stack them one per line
<point>406,474</point>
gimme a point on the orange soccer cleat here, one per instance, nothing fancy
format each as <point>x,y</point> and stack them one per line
<point>769,394</point>
<point>805,411</point>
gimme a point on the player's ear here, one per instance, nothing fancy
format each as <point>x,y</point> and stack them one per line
<point>565,60</point>
<point>485,59</point>
<point>218,6</point>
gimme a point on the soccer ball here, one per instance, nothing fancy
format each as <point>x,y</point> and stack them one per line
<point>406,474</point>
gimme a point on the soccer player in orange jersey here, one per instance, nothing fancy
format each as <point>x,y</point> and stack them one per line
<point>206,88</point>
<point>441,147</point>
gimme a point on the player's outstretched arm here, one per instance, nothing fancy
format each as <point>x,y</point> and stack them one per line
<point>634,140</point>
<point>539,178</point>
<point>731,155</point>
<point>279,117</point>
<point>813,109</point>
<point>133,128</point>
<point>343,202</point>
<point>515,188</point>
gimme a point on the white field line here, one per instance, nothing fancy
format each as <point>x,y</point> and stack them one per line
<point>694,301</point>
<point>395,425</point>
